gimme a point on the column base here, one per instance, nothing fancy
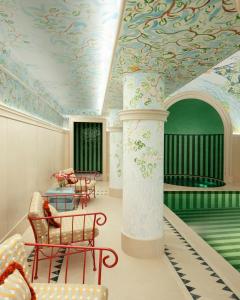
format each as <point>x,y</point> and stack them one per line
<point>115,193</point>
<point>142,248</point>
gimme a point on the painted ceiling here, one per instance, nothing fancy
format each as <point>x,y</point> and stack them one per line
<point>55,55</point>
<point>60,49</point>
<point>179,39</point>
<point>223,83</point>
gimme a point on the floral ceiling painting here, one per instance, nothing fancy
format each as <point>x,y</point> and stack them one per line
<point>178,39</point>
<point>61,53</point>
<point>61,49</point>
<point>223,83</point>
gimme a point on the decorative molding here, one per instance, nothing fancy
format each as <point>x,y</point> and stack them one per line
<point>227,124</point>
<point>13,76</point>
<point>143,114</point>
<point>142,248</point>
<point>15,115</point>
<point>114,129</point>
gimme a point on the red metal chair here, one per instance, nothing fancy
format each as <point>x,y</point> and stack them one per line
<point>106,257</point>
<point>13,252</point>
<point>73,227</point>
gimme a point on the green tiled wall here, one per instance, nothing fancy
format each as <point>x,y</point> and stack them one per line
<point>194,154</point>
<point>191,200</point>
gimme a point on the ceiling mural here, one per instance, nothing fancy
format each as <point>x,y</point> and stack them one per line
<point>59,52</point>
<point>179,39</point>
<point>60,48</point>
<point>223,83</point>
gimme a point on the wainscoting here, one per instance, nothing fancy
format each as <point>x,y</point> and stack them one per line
<point>31,150</point>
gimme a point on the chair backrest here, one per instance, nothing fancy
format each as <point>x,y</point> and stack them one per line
<point>68,171</point>
<point>13,250</point>
<point>40,227</point>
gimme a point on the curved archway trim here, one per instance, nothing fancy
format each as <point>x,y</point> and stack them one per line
<point>203,96</point>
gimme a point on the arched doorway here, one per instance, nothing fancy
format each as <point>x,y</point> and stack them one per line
<point>205,124</point>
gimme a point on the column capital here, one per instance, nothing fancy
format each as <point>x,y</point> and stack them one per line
<point>144,114</point>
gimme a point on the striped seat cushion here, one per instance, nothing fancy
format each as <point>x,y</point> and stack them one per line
<point>66,230</point>
<point>46,291</point>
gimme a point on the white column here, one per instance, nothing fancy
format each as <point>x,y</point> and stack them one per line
<point>143,128</point>
<point>116,151</point>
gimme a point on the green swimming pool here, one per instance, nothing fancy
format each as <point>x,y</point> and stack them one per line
<point>220,228</point>
<point>193,181</point>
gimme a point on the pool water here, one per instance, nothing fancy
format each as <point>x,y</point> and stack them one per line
<point>193,181</point>
<point>220,228</point>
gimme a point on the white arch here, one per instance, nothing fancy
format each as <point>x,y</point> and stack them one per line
<point>227,124</point>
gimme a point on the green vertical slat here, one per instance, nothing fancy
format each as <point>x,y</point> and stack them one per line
<point>185,154</point>
<point>100,129</point>
<point>174,153</point>
<point>188,157</point>
<point>77,145</point>
<point>193,155</point>
<point>204,155</point>
<point>169,154</point>
<point>177,154</point>
<point>216,156</point>
<point>85,148</point>
<point>89,147</point>
<point>222,154</point>
<point>96,147</point>
<point>164,155</point>
<point>99,147</point>
<point>93,147</point>
<point>200,156</point>
<point>182,154</point>
<point>209,161</point>
<point>81,146</point>
<point>213,156</point>
<point>74,145</point>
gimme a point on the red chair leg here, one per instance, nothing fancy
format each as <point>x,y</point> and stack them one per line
<point>36,259</point>
<point>92,243</point>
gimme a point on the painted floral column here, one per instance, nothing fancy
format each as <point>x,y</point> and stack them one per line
<point>143,129</point>
<point>116,151</point>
